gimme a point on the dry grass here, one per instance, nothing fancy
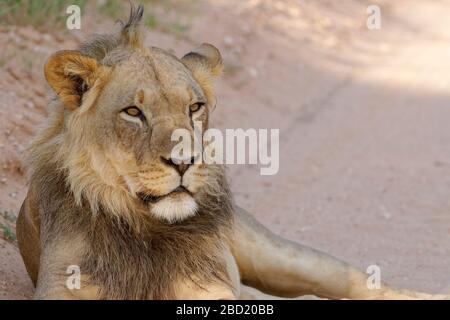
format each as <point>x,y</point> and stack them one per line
<point>7,223</point>
<point>40,14</point>
<point>51,14</point>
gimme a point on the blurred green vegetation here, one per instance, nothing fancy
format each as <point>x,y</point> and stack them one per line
<point>112,8</point>
<point>51,14</point>
<point>8,216</point>
<point>151,21</point>
<point>6,230</point>
<point>8,233</point>
<point>36,13</point>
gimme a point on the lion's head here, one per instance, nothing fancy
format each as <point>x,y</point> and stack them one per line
<point>118,103</point>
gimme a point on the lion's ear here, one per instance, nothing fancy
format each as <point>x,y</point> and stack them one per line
<point>71,74</point>
<point>204,59</point>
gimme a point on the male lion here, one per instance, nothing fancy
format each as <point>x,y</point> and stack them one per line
<point>105,194</point>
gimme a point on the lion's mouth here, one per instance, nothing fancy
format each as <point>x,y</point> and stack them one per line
<point>147,198</point>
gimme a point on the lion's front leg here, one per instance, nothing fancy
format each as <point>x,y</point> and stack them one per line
<point>249,293</point>
<point>284,268</point>
<point>60,277</point>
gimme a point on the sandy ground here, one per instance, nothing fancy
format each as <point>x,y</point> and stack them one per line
<point>363,119</point>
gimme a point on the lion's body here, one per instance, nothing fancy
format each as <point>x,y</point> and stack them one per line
<point>106,195</point>
<point>144,258</point>
<point>122,262</point>
<point>252,255</point>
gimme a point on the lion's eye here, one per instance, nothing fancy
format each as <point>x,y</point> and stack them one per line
<point>196,107</point>
<point>133,111</point>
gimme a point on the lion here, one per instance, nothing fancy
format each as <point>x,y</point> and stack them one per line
<point>106,196</point>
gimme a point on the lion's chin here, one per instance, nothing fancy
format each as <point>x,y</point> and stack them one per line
<point>175,208</point>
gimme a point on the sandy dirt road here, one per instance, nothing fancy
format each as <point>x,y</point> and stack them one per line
<point>363,119</point>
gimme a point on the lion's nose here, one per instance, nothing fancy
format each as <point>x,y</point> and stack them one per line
<point>180,165</point>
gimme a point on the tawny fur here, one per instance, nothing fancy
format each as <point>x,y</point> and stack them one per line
<point>82,194</point>
<point>92,172</point>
